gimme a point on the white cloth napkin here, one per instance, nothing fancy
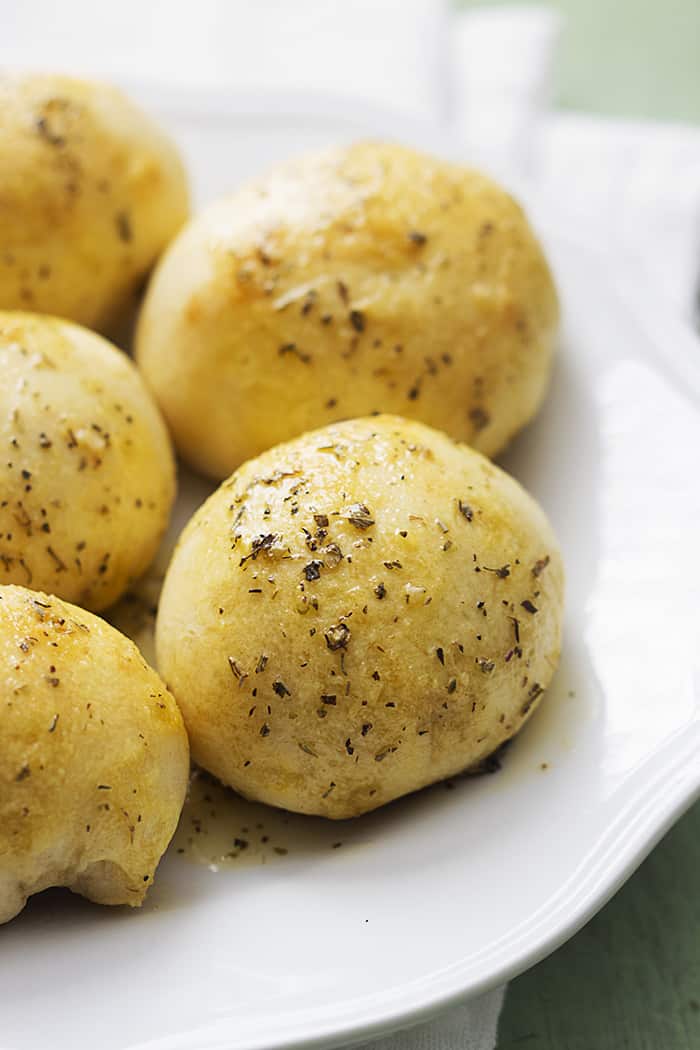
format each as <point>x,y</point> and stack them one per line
<point>631,188</point>
<point>385,52</point>
<point>634,188</point>
<point>471,1026</point>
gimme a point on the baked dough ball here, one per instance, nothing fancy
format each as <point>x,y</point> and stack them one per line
<point>87,476</point>
<point>91,191</point>
<point>363,279</point>
<point>358,613</point>
<point>93,756</point>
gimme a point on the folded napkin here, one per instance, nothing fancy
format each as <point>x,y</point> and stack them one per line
<point>633,189</point>
<point>628,188</point>
<point>378,52</point>
<point>471,1026</point>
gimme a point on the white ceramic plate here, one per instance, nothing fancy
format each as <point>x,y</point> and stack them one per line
<point>448,892</point>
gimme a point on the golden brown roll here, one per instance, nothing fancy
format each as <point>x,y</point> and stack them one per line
<point>93,756</point>
<point>358,613</point>
<point>87,476</point>
<point>91,191</point>
<point>363,279</point>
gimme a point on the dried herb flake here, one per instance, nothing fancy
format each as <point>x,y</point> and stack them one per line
<point>337,636</point>
<point>360,516</point>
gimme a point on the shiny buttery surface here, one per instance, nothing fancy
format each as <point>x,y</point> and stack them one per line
<point>355,280</point>
<point>90,193</point>
<point>383,632</point>
<point>448,891</point>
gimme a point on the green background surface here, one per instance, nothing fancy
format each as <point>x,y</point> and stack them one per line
<point>631,977</point>
<point>629,58</point>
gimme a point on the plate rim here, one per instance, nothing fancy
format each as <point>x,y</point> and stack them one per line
<point>439,993</point>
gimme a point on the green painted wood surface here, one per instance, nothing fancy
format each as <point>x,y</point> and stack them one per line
<point>631,977</point>
<point>629,58</point>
